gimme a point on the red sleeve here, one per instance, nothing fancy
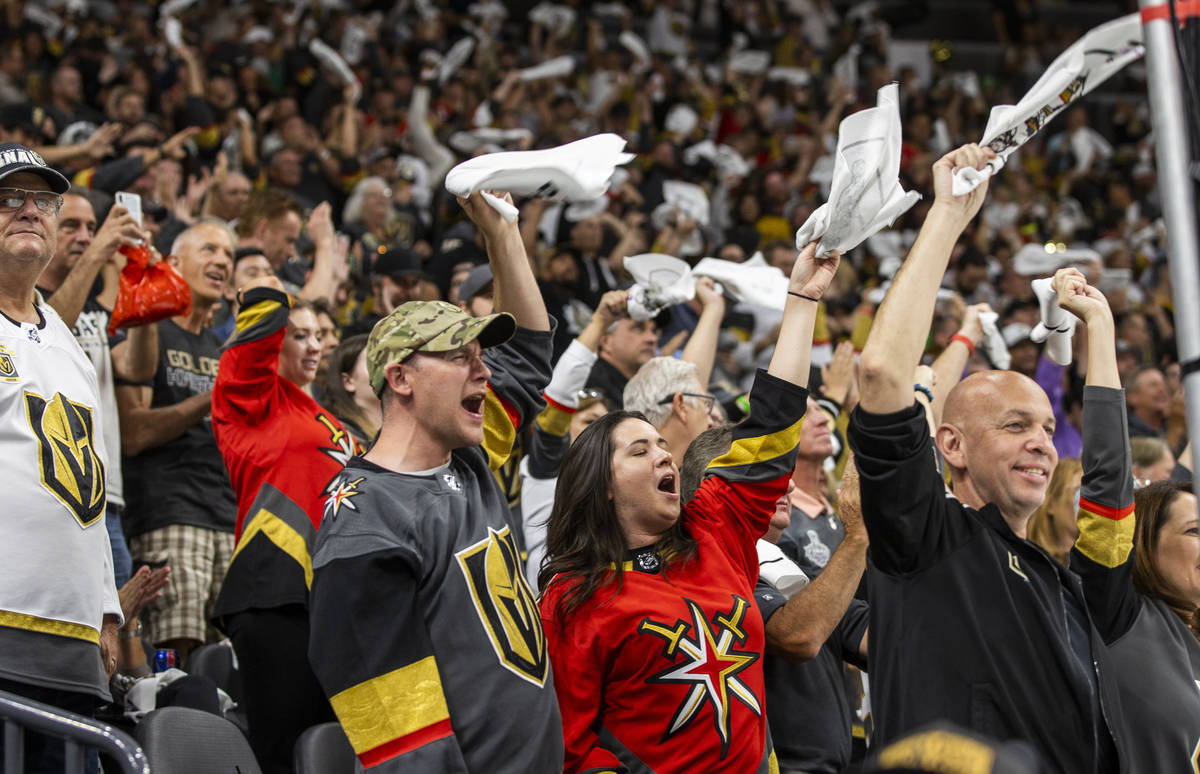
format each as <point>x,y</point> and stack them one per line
<point>247,383</point>
<point>737,513</point>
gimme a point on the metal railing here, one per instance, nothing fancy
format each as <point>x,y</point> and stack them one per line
<point>78,732</point>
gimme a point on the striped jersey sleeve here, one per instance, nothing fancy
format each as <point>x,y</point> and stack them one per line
<point>520,371</point>
<point>738,496</point>
<point>374,657</point>
<point>1103,552</point>
<point>245,388</point>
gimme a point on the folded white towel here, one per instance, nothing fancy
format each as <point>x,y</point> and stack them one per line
<point>1057,325</point>
<point>781,572</point>
<point>866,195</point>
<point>993,341</point>
<point>1085,65</point>
<point>577,171</point>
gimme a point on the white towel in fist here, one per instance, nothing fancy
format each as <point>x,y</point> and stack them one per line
<point>865,195</point>
<point>577,171</point>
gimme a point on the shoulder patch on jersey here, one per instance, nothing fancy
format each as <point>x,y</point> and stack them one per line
<point>505,604</point>
<point>341,492</point>
<point>70,468</point>
<point>8,368</point>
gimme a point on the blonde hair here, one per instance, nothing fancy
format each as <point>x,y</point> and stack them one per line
<point>1043,529</point>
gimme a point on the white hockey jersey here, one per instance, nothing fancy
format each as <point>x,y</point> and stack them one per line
<point>56,580</point>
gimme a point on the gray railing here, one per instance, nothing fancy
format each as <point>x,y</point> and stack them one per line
<point>77,732</point>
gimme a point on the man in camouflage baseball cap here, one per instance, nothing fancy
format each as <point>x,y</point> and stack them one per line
<point>429,326</point>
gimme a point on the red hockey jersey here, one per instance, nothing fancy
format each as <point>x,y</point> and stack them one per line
<point>665,675</point>
<point>282,450</point>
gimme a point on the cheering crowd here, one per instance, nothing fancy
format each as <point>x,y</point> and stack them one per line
<point>434,477</point>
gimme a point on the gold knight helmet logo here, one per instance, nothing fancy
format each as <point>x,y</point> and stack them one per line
<point>69,466</point>
<point>505,605</point>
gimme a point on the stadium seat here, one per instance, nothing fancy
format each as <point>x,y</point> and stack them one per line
<point>178,740</point>
<point>324,749</point>
<point>216,663</point>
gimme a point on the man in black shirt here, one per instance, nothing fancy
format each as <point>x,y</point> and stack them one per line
<point>180,508</point>
<point>970,622</point>
<point>626,347</point>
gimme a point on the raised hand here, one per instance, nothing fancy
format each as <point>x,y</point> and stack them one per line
<point>812,273</point>
<point>966,206</point>
<point>839,374</point>
<point>1078,297</point>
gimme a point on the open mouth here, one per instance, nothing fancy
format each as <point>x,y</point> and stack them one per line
<point>474,405</point>
<point>1038,473</point>
<point>667,484</point>
<point>310,364</point>
<point>215,276</point>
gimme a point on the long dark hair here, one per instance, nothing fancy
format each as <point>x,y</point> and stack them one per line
<point>1152,505</point>
<point>585,547</point>
<point>334,395</point>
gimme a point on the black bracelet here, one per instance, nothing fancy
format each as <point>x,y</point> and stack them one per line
<point>928,393</point>
<point>806,298</point>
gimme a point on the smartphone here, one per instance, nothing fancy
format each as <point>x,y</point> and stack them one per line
<point>133,203</point>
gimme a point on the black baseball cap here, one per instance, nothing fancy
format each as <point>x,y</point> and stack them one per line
<point>15,157</point>
<point>396,261</point>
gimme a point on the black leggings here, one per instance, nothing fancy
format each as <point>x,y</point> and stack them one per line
<point>280,693</point>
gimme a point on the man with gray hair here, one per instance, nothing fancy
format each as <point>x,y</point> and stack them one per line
<point>180,508</point>
<point>667,391</point>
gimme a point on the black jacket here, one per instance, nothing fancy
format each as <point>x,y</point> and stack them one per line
<point>968,622</point>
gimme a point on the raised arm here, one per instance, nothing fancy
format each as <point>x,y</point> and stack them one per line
<point>701,348</point>
<point>949,366</point>
<point>799,629</point>
<point>898,335</point>
<point>1103,551</point>
<point>118,229</point>
<point>811,275</point>
<point>516,290</point>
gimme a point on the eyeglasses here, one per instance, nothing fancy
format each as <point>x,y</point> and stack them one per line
<point>13,199</point>
<point>709,399</point>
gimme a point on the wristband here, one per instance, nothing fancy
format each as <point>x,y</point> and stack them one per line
<point>969,344</point>
<point>130,634</point>
<point>806,298</point>
<point>928,393</point>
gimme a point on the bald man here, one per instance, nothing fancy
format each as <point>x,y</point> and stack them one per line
<point>970,622</point>
<point>179,505</point>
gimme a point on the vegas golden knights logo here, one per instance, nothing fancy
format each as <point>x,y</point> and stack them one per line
<point>506,605</point>
<point>70,468</point>
<point>8,369</point>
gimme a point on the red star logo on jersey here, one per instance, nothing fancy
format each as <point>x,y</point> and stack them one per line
<point>340,492</point>
<point>710,665</point>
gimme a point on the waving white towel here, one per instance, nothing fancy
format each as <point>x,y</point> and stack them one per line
<point>455,58</point>
<point>551,68</point>
<point>993,341</point>
<point>753,283</point>
<point>577,171</point>
<point>866,193</point>
<point>1057,324</point>
<point>659,281</point>
<point>333,60</point>
<point>1082,67</point>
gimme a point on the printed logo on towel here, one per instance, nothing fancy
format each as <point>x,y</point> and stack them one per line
<point>505,604</point>
<point>704,658</point>
<point>69,466</point>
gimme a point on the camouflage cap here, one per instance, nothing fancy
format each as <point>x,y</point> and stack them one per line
<point>429,326</point>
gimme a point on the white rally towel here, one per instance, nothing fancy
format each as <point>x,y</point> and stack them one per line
<point>659,281</point>
<point>1057,325</point>
<point>577,171</point>
<point>753,283</point>
<point>455,58</point>
<point>1085,65</point>
<point>551,68</point>
<point>777,569</point>
<point>333,60</point>
<point>993,341</point>
<point>866,193</point>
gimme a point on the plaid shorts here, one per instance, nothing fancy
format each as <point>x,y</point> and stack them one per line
<point>198,558</point>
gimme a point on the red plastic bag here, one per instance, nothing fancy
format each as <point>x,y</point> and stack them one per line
<point>148,293</point>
